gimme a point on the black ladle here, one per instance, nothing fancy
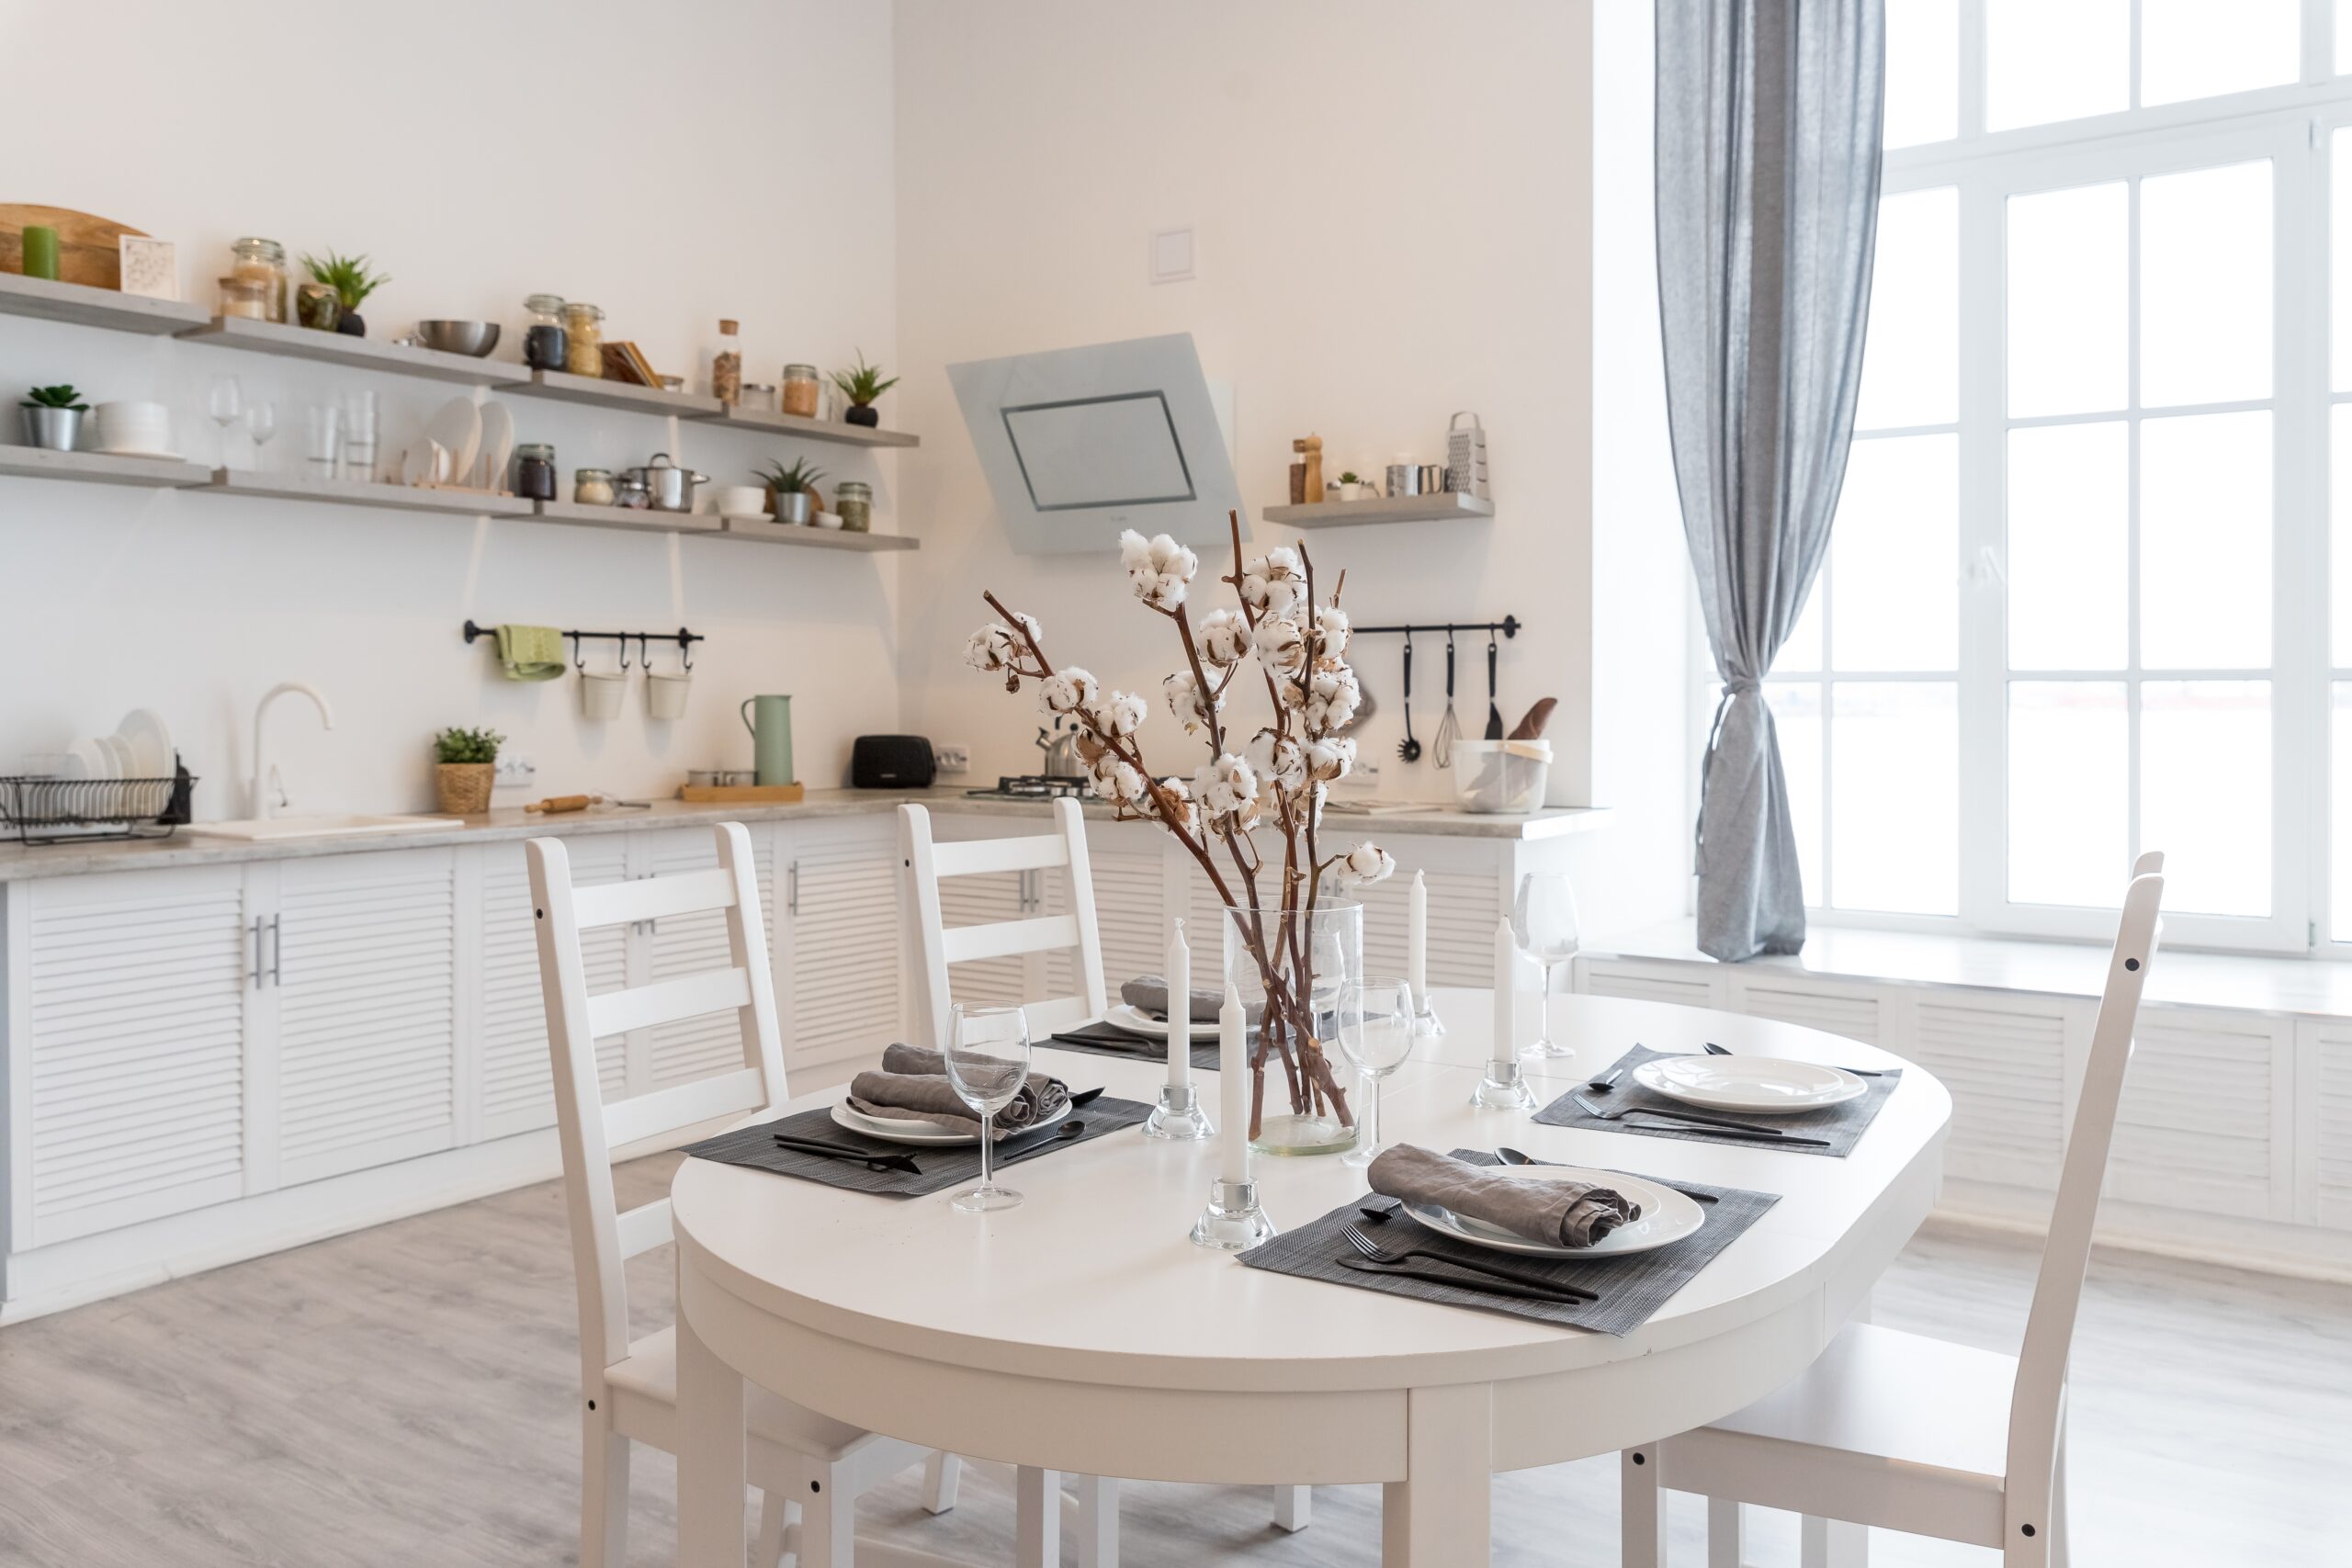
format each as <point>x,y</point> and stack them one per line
<point>1494,714</point>
<point>1410,749</point>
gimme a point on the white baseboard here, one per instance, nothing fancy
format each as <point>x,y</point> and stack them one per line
<point>2259,1246</point>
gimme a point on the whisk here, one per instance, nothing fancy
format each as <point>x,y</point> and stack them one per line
<point>1447,730</point>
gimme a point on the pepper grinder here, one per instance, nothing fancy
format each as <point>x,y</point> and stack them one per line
<point>1311,479</point>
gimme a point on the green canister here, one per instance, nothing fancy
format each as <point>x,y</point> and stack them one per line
<point>769,719</point>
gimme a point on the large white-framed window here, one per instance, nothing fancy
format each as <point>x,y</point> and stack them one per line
<point>2081,598</point>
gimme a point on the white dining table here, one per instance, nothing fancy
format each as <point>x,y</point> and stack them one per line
<point>1084,1332</point>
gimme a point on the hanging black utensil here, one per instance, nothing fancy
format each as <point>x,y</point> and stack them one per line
<point>1410,749</point>
<point>1449,729</point>
<point>1494,714</point>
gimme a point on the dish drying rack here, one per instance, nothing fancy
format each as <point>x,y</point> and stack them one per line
<point>35,809</point>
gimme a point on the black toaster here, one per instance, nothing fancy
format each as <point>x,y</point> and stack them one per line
<point>891,761</point>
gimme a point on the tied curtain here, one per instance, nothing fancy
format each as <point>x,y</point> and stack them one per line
<point>1767,181</point>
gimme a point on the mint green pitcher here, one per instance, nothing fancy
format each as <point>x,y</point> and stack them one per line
<point>771,736</point>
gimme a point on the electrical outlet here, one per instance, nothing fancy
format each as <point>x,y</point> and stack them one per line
<point>514,771</point>
<point>953,757</point>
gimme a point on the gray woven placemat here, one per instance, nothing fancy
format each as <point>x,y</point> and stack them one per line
<point>1841,1126</point>
<point>939,1168</point>
<point>1109,1040</point>
<point>1632,1287</point>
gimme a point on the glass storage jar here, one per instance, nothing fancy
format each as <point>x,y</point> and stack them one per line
<point>592,486</point>
<point>264,261</point>
<point>800,390</point>
<point>759,397</point>
<point>543,334</point>
<point>535,472</point>
<point>583,326</point>
<point>854,500</point>
<point>245,296</point>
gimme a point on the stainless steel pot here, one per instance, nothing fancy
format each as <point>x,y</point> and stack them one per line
<point>1060,747</point>
<point>671,486</point>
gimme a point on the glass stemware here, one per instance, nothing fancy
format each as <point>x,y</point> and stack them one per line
<point>226,404</point>
<point>1543,922</point>
<point>988,1063</point>
<point>261,424</point>
<point>1376,1034</point>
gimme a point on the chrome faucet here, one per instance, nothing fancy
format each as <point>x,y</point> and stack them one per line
<point>269,788</point>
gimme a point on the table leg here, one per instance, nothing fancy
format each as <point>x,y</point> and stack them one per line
<point>1037,1517</point>
<point>1832,1543</point>
<point>1440,1514</point>
<point>1294,1507</point>
<point>710,1456</point>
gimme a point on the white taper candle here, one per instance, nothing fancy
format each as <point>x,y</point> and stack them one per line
<point>1233,1086</point>
<point>1417,938</point>
<point>1180,1009</point>
<point>1506,957</point>
<point>1229,973</point>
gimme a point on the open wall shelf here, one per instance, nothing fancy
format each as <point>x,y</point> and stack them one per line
<point>359,352</point>
<point>101,468</point>
<point>85,306</point>
<point>1446,506</point>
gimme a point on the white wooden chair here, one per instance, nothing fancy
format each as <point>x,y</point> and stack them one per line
<point>804,1462</point>
<point>1906,1433</point>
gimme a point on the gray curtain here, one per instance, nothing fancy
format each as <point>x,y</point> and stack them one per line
<point>1768,180</point>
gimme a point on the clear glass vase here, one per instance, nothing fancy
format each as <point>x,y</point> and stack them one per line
<point>1290,967</point>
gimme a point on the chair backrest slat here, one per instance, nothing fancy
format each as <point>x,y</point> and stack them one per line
<point>1074,930</point>
<point>589,1129</point>
<point>2037,1402</point>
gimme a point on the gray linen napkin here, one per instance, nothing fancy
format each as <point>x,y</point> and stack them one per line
<point>1558,1214</point>
<point>912,1086</point>
<point>1149,994</point>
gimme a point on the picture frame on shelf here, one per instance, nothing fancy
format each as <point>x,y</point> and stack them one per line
<point>150,268</point>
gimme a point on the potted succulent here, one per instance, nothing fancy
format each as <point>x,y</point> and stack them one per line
<point>861,386</point>
<point>1351,486</point>
<point>53,417</point>
<point>792,492</point>
<point>466,764</point>
<point>349,281</point>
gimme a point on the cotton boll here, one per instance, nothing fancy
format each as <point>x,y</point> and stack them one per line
<point>1067,691</point>
<point>1160,568</point>
<point>1277,758</point>
<point>1227,788</point>
<point>1367,862</point>
<point>1184,700</point>
<point>1329,758</point>
<point>1282,646</point>
<point>1117,713</point>
<point>1275,584</point>
<point>1331,625</point>
<point>1223,638</point>
<point>1182,812</point>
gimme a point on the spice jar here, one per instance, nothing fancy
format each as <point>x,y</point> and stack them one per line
<point>854,500</point>
<point>543,333</point>
<point>726,365</point>
<point>583,326</point>
<point>629,491</point>
<point>535,472</point>
<point>592,486</point>
<point>264,261</point>
<point>800,390</point>
<point>759,397</point>
<point>244,297</point>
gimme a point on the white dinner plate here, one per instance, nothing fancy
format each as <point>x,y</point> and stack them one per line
<point>114,755</point>
<point>893,1131</point>
<point>1667,1216</point>
<point>82,760</point>
<point>497,445</point>
<point>457,425</point>
<point>149,742</point>
<point>1134,1021</point>
<point>1765,1084</point>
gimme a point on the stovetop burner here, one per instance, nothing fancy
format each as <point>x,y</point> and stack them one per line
<point>1030,786</point>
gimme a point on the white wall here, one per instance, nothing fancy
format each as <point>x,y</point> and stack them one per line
<point>663,168</point>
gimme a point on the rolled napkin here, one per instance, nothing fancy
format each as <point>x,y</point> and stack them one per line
<point>912,1086</point>
<point>1149,994</point>
<point>1557,1213</point>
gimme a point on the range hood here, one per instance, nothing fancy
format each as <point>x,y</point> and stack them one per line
<point>1079,443</point>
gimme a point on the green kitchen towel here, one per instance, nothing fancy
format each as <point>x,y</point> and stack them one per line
<point>530,653</point>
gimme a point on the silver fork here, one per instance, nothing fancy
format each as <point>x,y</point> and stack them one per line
<point>1379,1253</point>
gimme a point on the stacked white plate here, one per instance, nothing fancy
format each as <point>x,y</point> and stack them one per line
<point>141,748</point>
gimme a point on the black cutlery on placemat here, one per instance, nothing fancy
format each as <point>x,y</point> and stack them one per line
<point>1606,1081</point>
<point>1718,1124</point>
<point>1010,1149</point>
<point>1476,1286</point>
<point>1379,1253</point>
<point>1715,1050</point>
<point>1512,1156</point>
<point>838,1151</point>
<point>1086,1096</point>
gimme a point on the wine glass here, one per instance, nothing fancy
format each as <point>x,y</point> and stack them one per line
<point>988,1063</point>
<point>261,424</point>
<point>1543,922</point>
<point>1376,1034</point>
<point>226,406</point>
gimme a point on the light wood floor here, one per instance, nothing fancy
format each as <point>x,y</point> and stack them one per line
<point>404,1398</point>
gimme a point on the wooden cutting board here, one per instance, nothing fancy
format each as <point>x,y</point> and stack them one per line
<point>86,249</point>
<point>741,795</point>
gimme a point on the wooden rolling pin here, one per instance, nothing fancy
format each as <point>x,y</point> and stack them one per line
<point>1531,727</point>
<point>555,804</point>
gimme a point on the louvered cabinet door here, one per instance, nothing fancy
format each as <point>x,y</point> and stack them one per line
<point>982,900</point>
<point>688,945</point>
<point>1130,913</point>
<point>132,1063</point>
<point>842,886</point>
<point>2005,1063</point>
<point>1849,1010</point>
<point>518,1075</point>
<point>2324,1080</point>
<point>2204,1122</point>
<point>363,981</point>
<point>1647,982</point>
<point>1463,907</point>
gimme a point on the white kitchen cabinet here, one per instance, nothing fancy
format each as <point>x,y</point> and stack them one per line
<point>844,966</point>
<point>516,1090</point>
<point>685,944</point>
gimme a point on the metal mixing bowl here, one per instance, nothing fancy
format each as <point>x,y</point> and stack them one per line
<point>474,338</point>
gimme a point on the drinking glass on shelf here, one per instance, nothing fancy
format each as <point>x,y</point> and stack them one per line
<point>323,426</point>
<point>359,436</point>
<point>1376,1034</point>
<point>226,406</point>
<point>1543,922</point>
<point>988,1062</point>
<point>261,424</point>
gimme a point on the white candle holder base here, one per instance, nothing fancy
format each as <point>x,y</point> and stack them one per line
<point>1502,1088</point>
<point>1426,1022</point>
<point>1232,1222</point>
<point>1179,1116</point>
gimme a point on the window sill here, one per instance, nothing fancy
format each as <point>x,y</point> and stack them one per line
<point>2240,982</point>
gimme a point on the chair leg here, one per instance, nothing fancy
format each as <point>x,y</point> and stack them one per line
<point>769,1551</point>
<point>1726,1533</point>
<point>604,1496</point>
<point>1294,1507</point>
<point>941,1473</point>
<point>2059,1549</point>
<point>1642,1511</point>
<point>1832,1543</point>
<point>1037,1517</point>
<point>828,1526</point>
<point>1098,1522</point>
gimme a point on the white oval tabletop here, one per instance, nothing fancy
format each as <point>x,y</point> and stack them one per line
<point>1082,1330</point>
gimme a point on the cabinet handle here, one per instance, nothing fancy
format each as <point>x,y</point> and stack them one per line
<point>278,950</point>
<point>255,933</point>
<point>792,888</point>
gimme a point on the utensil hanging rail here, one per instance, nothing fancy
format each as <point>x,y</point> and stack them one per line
<point>685,640</point>
<point>1508,625</point>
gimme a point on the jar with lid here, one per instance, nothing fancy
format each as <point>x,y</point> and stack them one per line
<point>543,334</point>
<point>245,296</point>
<point>759,397</point>
<point>727,365</point>
<point>535,472</point>
<point>583,326</point>
<point>629,491</point>
<point>263,261</point>
<point>800,390</point>
<point>592,486</point>
<point>854,499</point>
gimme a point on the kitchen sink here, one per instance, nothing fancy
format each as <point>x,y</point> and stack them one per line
<point>326,825</point>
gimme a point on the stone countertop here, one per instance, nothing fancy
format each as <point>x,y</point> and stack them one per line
<point>20,862</point>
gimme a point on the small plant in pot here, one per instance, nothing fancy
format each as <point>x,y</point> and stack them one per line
<point>861,386</point>
<point>348,280</point>
<point>792,492</point>
<point>53,417</point>
<point>1351,486</point>
<point>466,765</point>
